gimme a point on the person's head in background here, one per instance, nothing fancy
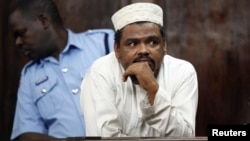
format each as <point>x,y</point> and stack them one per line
<point>140,35</point>
<point>37,28</point>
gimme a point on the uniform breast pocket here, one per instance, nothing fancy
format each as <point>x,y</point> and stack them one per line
<point>48,97</point>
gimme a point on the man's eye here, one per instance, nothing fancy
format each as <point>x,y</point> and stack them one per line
<point>131,44</point>
<point>19,33</point>
<point>153,43</point>
<point>16,35</point>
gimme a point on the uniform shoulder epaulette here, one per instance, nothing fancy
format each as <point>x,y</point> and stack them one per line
<point>27,65</point>
<point>105,31</point>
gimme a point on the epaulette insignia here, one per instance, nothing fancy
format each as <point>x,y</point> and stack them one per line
<point>38,82</point>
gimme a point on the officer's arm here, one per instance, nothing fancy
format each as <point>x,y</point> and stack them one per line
<point>33,136</point>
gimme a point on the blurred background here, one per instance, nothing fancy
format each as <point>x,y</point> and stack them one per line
<point>214,35</point>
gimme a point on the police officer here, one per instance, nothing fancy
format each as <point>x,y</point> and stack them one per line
<point>48,96</point>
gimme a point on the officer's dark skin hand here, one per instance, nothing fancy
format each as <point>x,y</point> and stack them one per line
<point>31,136</point>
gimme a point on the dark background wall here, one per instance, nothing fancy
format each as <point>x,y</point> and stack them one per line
<point>212,34</point>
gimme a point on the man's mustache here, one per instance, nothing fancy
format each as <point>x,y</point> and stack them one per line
<point>145,58</point>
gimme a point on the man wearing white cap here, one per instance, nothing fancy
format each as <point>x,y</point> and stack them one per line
<point>139,90</point>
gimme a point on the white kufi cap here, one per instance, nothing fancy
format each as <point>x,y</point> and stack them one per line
<point>137,12</point>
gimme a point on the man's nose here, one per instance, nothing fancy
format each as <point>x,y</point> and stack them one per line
<point>143,49</point>
<point>19,42</point>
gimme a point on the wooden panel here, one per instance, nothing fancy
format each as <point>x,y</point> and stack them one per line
<point>81,15</point>
<point>9,76</point>
<point>214,36</point>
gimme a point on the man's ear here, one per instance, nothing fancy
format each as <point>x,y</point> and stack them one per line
<point>117,50</point>
<point>44,19</point>
<point>165,47</point>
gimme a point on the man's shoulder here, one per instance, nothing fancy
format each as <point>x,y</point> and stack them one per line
<point>94,32</point>
<point>98,39</point>
<point>28,65</point>
<point>33,66</point>
<point>170,58</point>
<point>174,61</point>
<point>108,59</point>
<point>101,30</point>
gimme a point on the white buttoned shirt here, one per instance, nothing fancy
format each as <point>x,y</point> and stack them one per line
<point>113,108</point>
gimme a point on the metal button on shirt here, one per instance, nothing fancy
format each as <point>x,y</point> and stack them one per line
<point>75,91</point>
<point>65,70</point>
<point>43,90</point>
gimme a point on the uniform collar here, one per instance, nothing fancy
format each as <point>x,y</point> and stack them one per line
<point>72,41</point>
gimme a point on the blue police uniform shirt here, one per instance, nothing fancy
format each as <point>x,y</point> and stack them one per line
<point>49,93</point>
